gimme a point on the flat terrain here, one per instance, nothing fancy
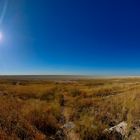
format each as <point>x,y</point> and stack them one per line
<point>69,108</point>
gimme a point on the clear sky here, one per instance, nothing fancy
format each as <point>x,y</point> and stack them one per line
<point>70,37</point>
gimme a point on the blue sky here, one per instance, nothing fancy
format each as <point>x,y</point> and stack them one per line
<point>70,37</point>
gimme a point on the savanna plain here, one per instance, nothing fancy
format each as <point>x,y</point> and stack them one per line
<point>69,108</point>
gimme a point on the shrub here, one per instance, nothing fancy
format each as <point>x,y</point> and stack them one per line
<point>75,92</point>
<point>44,122</point>
<point>49,95</point>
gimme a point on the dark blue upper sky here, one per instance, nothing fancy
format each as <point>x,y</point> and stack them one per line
<point>70,37</point>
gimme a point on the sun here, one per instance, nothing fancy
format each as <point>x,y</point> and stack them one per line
<point>1,36</point>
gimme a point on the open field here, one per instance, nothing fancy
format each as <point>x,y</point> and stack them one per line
<point>72,108</point>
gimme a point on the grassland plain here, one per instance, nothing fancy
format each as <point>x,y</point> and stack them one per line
<point>69,108</point>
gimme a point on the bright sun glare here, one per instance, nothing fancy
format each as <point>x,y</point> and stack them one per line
<point>1,36</point>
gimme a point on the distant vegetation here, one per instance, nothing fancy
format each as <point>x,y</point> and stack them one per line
<point>71,110</point>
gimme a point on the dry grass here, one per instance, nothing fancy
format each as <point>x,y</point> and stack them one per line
<point>32,110</point>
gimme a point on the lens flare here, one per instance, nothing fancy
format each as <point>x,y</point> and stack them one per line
<point>2,14</point>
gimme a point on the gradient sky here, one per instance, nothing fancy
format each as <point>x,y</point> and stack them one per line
<point>70,37</point>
